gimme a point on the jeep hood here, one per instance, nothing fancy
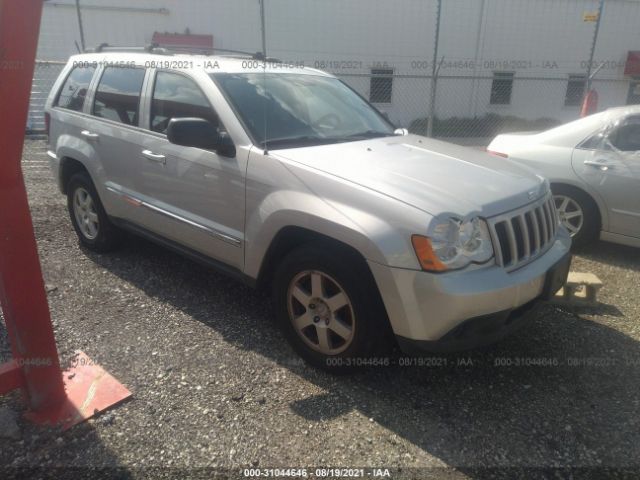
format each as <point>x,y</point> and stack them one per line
<point>434,176</point>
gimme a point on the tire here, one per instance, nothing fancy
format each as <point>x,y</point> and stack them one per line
<point>363,314</point>
<point>576,201</point>
<point>88,216</point>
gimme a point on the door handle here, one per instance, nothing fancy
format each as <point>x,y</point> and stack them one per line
<point>88,134</point>
<point>604,166</point>
<point>154,157</point>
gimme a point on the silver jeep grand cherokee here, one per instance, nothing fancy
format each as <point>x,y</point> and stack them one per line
<point>286,178</point>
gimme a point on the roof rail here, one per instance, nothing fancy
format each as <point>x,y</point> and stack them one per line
<point>178,49</point>
<point>211,50</point>
<point>105,47</point>
<point>203,50</point>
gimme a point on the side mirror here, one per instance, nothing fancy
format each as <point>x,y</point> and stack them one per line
<point>192,132</point>
<point>401,132</point>
<point>199,133</point>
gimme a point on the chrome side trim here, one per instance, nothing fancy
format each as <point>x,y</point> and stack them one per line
<point>214,233</point>
<point>625,212</point>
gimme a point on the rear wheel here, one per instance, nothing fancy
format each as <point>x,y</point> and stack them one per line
<point>88,216</point>
<point>578,213</point>
<point>326,307</point>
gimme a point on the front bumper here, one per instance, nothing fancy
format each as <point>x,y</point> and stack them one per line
<point>467,308</point>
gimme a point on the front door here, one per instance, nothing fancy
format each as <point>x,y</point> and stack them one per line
<point>113,134</point>
<point>613,169</point>
<point>194,196</point>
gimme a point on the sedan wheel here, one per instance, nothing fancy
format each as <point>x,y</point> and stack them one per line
<point>570,214</point>
<point>321,312</point>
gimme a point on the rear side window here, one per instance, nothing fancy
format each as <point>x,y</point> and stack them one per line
<point>176,96</point>
<point>118,95</point>
<point>626,138</point>
<point>75,88</point>
<point>592,142</point>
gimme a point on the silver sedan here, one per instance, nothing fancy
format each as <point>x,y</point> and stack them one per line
<point>593,165</point>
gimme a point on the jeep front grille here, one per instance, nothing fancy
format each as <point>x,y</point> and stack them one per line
<point>523,235</point>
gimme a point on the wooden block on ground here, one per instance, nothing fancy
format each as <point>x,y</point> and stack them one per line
<point>580,278</point>
<point>581,289</point>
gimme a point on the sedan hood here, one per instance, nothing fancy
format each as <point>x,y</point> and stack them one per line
<point>434,176</point>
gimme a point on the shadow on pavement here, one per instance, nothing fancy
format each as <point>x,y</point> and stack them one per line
<point>610,253</point>
<point>29,451</point>
<point>562,392</point>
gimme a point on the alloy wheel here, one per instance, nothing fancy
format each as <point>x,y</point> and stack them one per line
<point>570,213</point>
<point>84,210</point>
<point>321,312</point>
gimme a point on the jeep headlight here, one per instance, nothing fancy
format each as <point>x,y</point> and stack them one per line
<point>452,244</point>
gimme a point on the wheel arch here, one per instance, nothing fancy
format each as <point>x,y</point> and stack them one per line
<point>76,154</point>
<point>69,166</point>
<point>292,237</point>
<point>289,238</point>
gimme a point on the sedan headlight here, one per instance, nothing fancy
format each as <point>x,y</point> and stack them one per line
<point>452,244</point>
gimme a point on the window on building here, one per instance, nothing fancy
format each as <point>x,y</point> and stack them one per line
<point>633,98</point>
<point>575,90</point>
<point>381,85</point>
<point>118,95</point>
<point>501,88</point>
<point>176,96</point>
<point>75,89</point>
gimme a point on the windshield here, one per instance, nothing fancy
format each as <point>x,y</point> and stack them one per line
<point>293,110</point>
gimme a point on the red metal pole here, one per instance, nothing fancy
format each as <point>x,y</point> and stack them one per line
<point>22,294</point>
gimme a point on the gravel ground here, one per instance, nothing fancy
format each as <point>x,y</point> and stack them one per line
<point>216,386</point>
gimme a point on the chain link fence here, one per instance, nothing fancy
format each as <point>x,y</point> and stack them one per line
<point>474,109</point>
<point>44,76</point>
<point>498,65</point>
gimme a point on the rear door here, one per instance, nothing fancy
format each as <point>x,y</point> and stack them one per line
<point>114,134</point>
<point>612,167</point>
<point>193,196</point>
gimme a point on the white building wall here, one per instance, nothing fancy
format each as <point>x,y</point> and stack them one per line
<point>543,39</point>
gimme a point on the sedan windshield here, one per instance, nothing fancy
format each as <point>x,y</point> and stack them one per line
<point>295,110</point>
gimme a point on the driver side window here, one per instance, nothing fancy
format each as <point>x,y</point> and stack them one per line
<point>176,96</point>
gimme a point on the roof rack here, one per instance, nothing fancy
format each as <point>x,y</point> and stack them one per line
<point>180,49</point>
<point>105,47</point>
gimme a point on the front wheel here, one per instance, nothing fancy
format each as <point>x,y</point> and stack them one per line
<point>326,307</point>
<point>577,212</point>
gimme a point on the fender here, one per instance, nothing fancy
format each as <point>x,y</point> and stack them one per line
<point>70,146</point>
<point>374,238</point>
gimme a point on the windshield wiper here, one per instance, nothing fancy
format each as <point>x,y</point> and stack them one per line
<point>299,141</point>
<point>306,140</point>
<point>368,134</point>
